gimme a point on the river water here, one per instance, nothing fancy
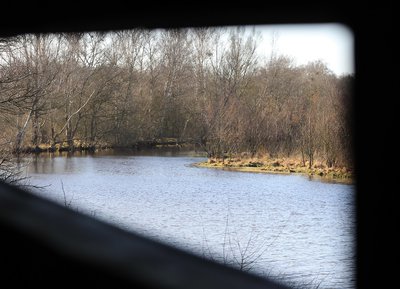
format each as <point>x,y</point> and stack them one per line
<point>282,226</point>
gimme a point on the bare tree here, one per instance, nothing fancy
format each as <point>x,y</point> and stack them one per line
<point>30,60</point>
<point>76,87</point>
<point>231,72</point>
<point>205,85</point>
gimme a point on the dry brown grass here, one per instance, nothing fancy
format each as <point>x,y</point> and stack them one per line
<point>265,164</point>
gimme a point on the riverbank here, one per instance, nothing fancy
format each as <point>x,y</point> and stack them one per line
<point>282,166</point>
<point>81,146</point>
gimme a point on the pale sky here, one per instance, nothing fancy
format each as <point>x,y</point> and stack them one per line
<point>331,43</point>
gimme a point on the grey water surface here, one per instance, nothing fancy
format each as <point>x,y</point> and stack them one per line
<point>284,226</point>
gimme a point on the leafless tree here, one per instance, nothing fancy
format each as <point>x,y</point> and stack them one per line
<point>205,85</point>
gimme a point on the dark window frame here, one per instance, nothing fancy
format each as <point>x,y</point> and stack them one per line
<point>373,105</point>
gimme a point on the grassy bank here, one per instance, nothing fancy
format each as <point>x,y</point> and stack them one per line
<point>79,145</point>
<point>282,166</point>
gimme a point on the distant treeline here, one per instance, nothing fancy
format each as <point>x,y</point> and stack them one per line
<point>208,85</point>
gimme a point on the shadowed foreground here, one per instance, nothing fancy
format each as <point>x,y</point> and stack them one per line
<point>44,244</point>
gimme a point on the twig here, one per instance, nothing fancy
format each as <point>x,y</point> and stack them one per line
<point>66,204</point>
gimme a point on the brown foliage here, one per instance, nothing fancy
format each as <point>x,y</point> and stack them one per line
<point>206,85</point>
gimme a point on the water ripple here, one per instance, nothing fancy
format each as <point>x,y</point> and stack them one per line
<point>301,230</point>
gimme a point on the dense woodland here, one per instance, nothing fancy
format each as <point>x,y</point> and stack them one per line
<point>205,86</point>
